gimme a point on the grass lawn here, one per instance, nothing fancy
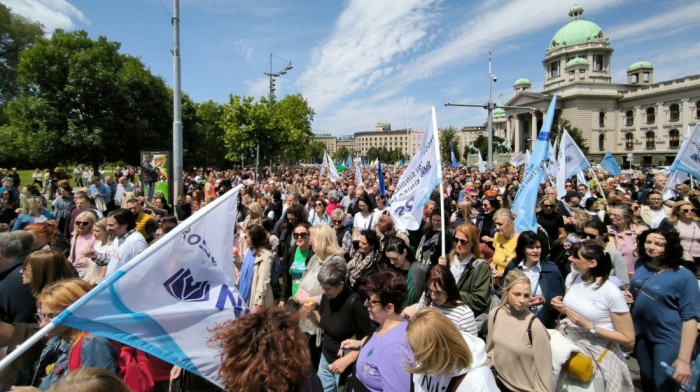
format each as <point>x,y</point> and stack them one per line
<point>25,176</point>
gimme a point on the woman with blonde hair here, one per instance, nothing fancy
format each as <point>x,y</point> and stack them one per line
<point>82,240</point>
<point>518,345</point>
<point>463,214</point>
<point>255,215</point>
<point>624,231</point>
<point>504,241</point>
<point>103,245</point>
<point>32,211</point>
<point>95,351</point>
<point>89,380</point>
<point>44,267</point>
<point>445,356</point>
<point>685,221</point>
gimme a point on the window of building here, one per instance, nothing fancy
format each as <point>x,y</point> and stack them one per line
<point>601,119</point>
<point>629,118</point>
<point>697,109</point>
<point>635,78</point>
<point>554,69</point>
<point>598,62</point>
<point>674,138</point>
<point>629,141</point>
<point>646,76</point>
<point>651,116</point>
<point>675,112</point>
<point>601,142</point>
<point>651,140</point>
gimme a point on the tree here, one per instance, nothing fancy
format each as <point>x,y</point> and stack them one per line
<point>317,150</point>
<point>380,153</point>
<point>202,134</point>
<point>482,143</point>
<point>282,129</point>
<point>397,154</point>
<point>16,34</point>
<point>342,153</point>
<point>81,100</point>
<point>448,137</point>
<point>574,132</point>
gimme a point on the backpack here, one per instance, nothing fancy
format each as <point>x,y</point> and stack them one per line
<point>133,365</point>
<point>529,325</point>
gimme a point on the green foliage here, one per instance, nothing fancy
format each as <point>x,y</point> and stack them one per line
<point>283,130</point>
<point>482,143</point>
<point>448,137</point>
<point>397,154</point>
<point>16,34</point>
<point>342,154</point>
<point>81,100</point>
<point>382,153</point>
<point>202,134</point>
<point>574,132</point>
<point>317,149</point>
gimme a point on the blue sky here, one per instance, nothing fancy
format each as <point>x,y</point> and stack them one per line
<point>360,62</point>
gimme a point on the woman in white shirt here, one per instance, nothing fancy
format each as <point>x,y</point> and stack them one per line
<point>364,219</point>
<point>597,320</point>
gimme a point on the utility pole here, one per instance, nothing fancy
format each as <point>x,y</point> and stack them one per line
<point>177,107</point>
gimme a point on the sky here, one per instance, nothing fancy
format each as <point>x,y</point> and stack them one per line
<point>362,62</point>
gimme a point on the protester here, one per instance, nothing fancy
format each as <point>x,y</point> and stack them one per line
<point>401,258</point>
<point>102,244</point>
<point>128,242</point>
<point>684,220</point>
<point>44,267</point>
<point>255,284</point>
<point>504,241</point>
<point>83,239</point>
<point>298,261</point>
<point>366,260</point>
<point>90,380</point>
<point>32,211</point>
<point>624,232</point>
<point>44,233</point>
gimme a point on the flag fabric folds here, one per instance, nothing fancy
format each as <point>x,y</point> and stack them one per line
<point>571,161</point>
<point>553,165</point>
<point>419,179</point>
<point>452,156</point>
<point>332,170</point>
<point>167,299</point>
<point>609,164</point>
<point>482,167</point>
<point>358,175</point>
<point>349,161</point>
<point>324,164</point>
<point>688,158</point>
<point>526,199</point>
<point>518,160</point>
<point>380,176</point>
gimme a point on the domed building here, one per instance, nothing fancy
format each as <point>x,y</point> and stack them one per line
<point>639,120</point>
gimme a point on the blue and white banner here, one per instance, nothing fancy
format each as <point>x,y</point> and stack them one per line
<point>609,164</point>
<point>349,161</point>
<point>419,179</point>
<point>553,165</point>
<point>518,160</point>
<point>571,161</point>
<point>332,170</point>
<point>482,167</point>
<point>167,299</point>
<point>452,156</point>
<point>526,199</point>
<point>380,178</point>
<point>688,158</point>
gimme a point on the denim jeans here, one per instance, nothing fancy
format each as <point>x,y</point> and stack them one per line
<point>649,357</point>
<point>329,380</point>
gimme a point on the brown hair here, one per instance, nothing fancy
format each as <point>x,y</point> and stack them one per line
<point>48,266</point>
<point>675,212</point>
<point>263,352</point>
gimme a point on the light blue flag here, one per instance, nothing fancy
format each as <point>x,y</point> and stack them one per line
<point>382,190</point>
<point>526,199</point>
<point>401,163</point>
<point>167,299</point>
<point>349,161</point>
<point>688,157</point>
<point>609,164</point>
<point>452,156</point>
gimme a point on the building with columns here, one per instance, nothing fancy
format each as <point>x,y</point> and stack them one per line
<point>639,118</point>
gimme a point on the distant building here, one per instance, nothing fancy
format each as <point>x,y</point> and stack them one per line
<point>331,142</point>
<point>641,118</point>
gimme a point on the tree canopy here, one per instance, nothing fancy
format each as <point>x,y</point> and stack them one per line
<point>16,34</point>
<point>482,143</point>
<point>448,137</point>
<point>574,132</point>
<point>342,153</point>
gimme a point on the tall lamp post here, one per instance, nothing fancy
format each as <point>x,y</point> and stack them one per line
<point>272,76</point>
<point>490,106</point>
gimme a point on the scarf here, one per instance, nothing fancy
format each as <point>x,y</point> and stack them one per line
<point>247,276</point>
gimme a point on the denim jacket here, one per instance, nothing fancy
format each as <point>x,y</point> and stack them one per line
<point>97,351</point>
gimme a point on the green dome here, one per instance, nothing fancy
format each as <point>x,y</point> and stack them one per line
<point>640,64</point>
<point>577,31</point>
<point>576,61</point>
<point>521,82</point>
<point>498,112</point>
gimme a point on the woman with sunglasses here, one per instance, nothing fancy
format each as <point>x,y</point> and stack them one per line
<point>665,311</point>
<point>82,240</point>
<point>684,220</point>
<point>342,232</point>
<point>384,354</point>
<point>318,216</point>
<point>551,221</point>
<point>298,259</point>
<point>597,231</point>
<point>624,231</point>
<point>8,205</point>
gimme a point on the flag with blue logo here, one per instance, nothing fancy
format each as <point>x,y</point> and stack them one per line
<point>609,164</point>
<point>526,199</point>
<point>688,158</point>
<point>418,181</point>
<point>452,156</point>
<point>167,299</point>
<point>380,176</point>
<point>571,161</point>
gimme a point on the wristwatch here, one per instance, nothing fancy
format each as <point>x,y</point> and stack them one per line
<point>592,329</point>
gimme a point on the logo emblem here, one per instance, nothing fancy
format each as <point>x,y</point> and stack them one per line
<point>695,158</point>
<point>183,287</point>
<point>569,159</point>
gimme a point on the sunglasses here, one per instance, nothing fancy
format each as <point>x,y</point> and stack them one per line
<point>319,204</point>
<point>590,236</point>
<point>548,205</point>
<point>82,223</point>
<point>458,241</point>
<point>337,222</point>
<point>300,235</point>
<point>686,211</point>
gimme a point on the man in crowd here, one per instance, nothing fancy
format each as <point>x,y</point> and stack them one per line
<point>149,176</point>
<point>144,223</point>
<point>653,213</point>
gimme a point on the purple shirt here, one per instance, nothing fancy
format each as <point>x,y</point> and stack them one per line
<point>380,365</point>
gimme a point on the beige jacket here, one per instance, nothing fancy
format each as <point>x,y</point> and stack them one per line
<point>261,290</point>
<point>646,216</point>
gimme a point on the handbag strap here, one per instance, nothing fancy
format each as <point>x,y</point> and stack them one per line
<point>454,383</point>
<point>607,349</point>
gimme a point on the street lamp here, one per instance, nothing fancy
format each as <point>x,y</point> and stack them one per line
<point>490,106</point>
<point>272,76</point>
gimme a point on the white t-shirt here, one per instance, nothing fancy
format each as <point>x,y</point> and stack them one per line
<point>362,223</point>
<point>595,305</point>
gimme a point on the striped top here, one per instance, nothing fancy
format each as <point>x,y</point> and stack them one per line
<point>461,316</point>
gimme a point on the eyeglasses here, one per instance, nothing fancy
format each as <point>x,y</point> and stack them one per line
<point>590,236</point>
<point>635,208</point>
<point>300,235</point>
<point>434,292</point>
<point>44,317</point>
<point>461,242</point>
<point>319,204</point>
<point>82,223</point>
<point>548,205</point>
<point>686,211</point>
<point>370,302</point>
<point>338,222</point>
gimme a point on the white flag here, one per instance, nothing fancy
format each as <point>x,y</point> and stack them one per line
<point>482,167</point>
<point>553,165</point>
<point>571,161</point>
<point>416,184</point>
<point>527,156</point>
<point>166,300</point>
<point>518,160</point>
<point>332,170</point>
<point>688,158</point>
<point>324,164</point>
<point>358,175</point>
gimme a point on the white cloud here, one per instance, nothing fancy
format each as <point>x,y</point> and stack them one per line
<point>367,37</point>
<point>679,18</point>
<point>245,49</point>
<point>53,14</point>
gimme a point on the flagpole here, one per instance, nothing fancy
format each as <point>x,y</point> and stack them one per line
<point>164,241</point>
<point>595,177</point>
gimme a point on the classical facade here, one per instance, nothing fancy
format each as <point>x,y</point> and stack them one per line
<point>639,119</point>
<point>331,142</point>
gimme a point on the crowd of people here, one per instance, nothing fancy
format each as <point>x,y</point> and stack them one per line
<point>341,297</point>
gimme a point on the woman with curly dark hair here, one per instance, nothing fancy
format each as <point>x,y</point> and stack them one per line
<point>665,311</point>
<point>265,352</point>
<point>366,260</point>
